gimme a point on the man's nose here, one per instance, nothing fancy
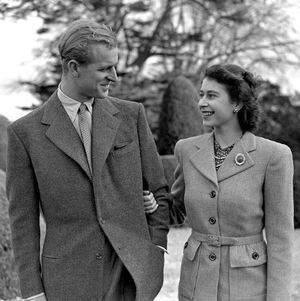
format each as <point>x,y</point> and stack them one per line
<point>112,76</point>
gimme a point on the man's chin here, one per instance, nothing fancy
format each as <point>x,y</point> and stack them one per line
<point>102,94</point>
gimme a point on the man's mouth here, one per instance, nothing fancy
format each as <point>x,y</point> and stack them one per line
<point>105,86</point>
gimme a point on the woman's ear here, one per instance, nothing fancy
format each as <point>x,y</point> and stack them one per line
<point>237,107</point>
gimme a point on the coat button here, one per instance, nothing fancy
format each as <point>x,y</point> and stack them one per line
<point>213,194</point>
<point>255,255</point>
<point>212,257</point>
<point>212,220</point>
<point>99,256</point>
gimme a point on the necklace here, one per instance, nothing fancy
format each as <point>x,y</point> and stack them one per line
<point>221,153</point>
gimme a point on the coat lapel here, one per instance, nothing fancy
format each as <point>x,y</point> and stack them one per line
<point>63,134</point>
<point>104,129</point>
<point>203,159</point>
<point>244,146</point>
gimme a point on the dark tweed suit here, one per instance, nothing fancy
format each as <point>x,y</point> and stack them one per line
<point>87,217</point>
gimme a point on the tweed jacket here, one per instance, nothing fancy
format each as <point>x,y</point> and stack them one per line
<point>47,169</point>
<point>252,191</point>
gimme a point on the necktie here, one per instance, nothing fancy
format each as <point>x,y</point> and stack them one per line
<point>86,137</point>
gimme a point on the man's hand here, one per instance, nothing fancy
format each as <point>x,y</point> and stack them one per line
<point>150,204</point>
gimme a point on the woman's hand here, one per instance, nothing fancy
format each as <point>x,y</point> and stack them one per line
<point>150,204</point>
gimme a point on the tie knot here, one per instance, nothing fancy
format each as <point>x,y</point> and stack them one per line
<point>82,108</point>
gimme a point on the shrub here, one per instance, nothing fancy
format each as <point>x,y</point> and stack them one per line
<point>9,283</point>
<point>3,141</point>
<point>179,116</point>
<point>297,194</point>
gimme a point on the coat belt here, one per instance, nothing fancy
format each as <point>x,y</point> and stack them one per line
<point>217,241</point>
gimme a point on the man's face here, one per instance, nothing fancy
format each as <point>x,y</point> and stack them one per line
<point>94,78</point>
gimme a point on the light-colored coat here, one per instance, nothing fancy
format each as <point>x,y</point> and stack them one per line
<point>247,198</point>
<point>47,168</point>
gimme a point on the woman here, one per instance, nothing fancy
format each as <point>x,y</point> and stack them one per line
<point>231,184</point>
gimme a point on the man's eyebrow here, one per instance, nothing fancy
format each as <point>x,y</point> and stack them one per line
<point>106,65</point>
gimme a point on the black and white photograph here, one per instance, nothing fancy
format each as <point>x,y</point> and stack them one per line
<point>150,150</point>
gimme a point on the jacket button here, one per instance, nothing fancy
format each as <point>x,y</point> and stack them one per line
<point>212,257</point>
<point>99,256</point>
<point>255,255</point>
<point>212,220</point>
<point>213,194</point>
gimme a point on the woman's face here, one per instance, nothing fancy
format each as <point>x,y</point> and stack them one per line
<point>216,106</point>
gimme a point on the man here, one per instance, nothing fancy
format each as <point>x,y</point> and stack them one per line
<point>83,159</point>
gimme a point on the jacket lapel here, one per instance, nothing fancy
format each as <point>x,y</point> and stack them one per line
<point>203,159</point>
<point>104,129</point>
<point>63,134</point>
<point>243,147</point>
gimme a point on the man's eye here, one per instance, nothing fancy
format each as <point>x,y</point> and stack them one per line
<point>104,69</point>
<point>201,94</point>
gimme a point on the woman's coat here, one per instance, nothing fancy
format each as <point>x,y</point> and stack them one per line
<point>226,257</point>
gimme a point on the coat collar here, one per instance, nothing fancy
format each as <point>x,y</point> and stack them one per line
<point>203,159</point>
<point>63,134</point>
<point>105,124</point>
<point>243,147</point>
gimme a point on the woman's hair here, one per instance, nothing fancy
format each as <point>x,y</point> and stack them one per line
<point>241,86</point>
<point>74,44</point>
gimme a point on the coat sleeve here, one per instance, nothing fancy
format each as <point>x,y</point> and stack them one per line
<point>278,200</point>
<point>153,180</point>
<point>177,211</point>
<point>23,196</point>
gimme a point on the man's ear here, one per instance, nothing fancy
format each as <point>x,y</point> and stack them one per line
<point>73,68</point>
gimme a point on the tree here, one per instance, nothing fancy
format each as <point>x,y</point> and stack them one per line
<point>180,36</point>
<point>280,117</point>
<point>280,122</point>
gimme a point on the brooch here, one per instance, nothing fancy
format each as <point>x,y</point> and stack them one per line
<point>239,159</point>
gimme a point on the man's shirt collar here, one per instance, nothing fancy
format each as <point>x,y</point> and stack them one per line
<point>71,105</point>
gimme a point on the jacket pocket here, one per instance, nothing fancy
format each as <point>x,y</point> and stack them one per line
<point>248,275</point>
<point>123,148</point>
<point>189,268</point>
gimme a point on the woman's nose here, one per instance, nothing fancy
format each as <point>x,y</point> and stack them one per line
<point>202,102</point>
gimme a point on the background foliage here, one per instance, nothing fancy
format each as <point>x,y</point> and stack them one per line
<point>168,38</point>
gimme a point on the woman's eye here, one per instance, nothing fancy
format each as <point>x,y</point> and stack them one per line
<point>210,95</point>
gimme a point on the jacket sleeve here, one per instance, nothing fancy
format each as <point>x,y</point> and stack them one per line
<point>154,181</point>
<point>177,211</point>
<point>23,196</point>
<point>278,200</point>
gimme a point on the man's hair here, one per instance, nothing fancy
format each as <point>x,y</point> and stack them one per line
<point>241,86</point>
<point>75,43</point>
